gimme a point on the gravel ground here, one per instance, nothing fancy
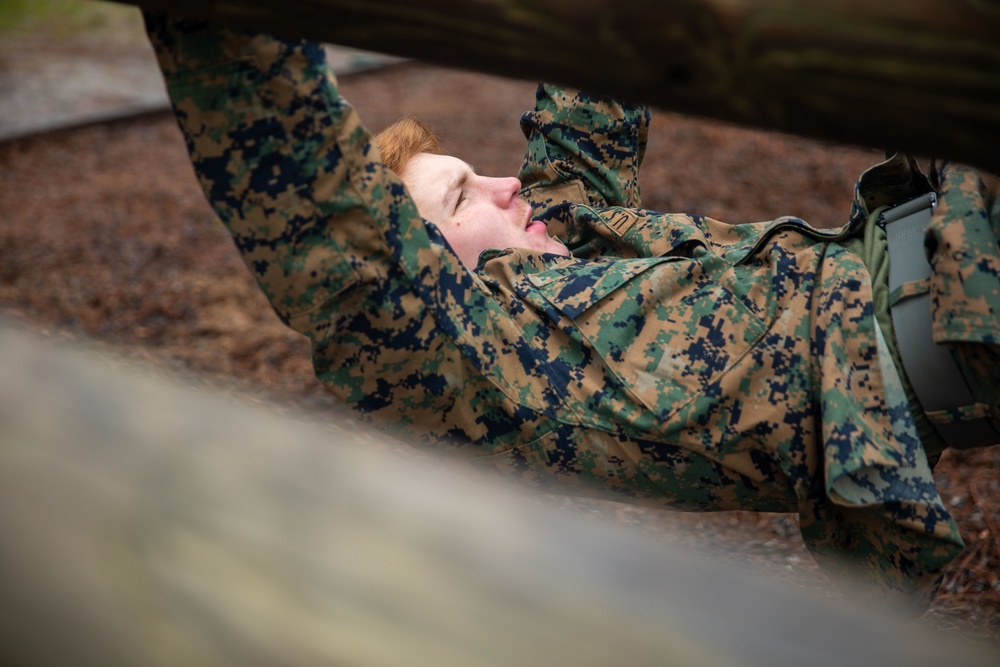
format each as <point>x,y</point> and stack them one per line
<point>104,235</point>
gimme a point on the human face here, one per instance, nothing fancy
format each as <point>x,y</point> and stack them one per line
<point>474,212</point>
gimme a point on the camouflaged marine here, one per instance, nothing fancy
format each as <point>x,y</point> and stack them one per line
<point>666,359</point>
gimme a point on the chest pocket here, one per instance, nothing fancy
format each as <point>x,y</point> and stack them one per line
<point>662,326</point>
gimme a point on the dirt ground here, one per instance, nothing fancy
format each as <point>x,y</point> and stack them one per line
<point>105,236</point>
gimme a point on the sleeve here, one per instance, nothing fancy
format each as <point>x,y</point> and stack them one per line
<point>328,232</point>
<point>282,159</point>
<point>588,148</point>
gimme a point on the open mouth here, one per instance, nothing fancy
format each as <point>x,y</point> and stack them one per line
<point>532,225</point>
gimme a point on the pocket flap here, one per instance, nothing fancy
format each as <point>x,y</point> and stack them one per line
<point>574,287</point>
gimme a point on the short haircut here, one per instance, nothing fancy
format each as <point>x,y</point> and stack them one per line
<point>402,140</point>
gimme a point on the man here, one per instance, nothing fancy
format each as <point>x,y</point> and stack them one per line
<point>555,329</point>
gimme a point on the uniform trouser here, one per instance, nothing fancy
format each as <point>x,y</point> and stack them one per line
<point>905,547</point>
<point>964,243</point>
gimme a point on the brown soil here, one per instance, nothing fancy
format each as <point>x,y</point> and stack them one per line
<point>105,235</point>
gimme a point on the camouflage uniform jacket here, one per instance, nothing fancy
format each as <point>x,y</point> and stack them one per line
<point>673,359</point>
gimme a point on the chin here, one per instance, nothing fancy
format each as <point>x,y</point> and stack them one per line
<point>560,249</point>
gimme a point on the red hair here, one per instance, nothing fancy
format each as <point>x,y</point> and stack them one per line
<point>402,140</point>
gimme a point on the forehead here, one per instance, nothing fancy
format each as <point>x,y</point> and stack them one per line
<point>429,166</point>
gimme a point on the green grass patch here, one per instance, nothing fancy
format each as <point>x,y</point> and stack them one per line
<point>60,18</point>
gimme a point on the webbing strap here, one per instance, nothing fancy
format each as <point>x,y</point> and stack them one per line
<point>908,291</point>
<point>932,370</point>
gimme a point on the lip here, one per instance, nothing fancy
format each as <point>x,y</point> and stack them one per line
<point>533,225</point>
<point>536,226</point>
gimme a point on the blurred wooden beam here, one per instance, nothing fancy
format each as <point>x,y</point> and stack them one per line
<point>145,523</point>
<point>915,75</point>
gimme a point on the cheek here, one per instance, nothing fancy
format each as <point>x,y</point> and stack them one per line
<point>477,228</point>
<point>482,228</point>
<point>466,239</point>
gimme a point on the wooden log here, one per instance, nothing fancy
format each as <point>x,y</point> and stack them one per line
<point>145,523</point>
<point>915,75</point>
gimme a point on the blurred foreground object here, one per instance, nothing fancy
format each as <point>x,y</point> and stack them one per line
<point>912,76</point>
<point>148,524</point>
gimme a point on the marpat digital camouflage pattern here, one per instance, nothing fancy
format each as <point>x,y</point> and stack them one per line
<point>673,360</point>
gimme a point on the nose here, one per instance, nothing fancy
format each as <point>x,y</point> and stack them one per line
<point>505,190</point>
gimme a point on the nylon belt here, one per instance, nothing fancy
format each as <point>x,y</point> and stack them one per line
<point>932,370</point>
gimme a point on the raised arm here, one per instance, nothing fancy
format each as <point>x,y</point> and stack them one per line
<point>589,148</point>
<point>328,232</point>
<point>400,329</point>
<point>282,159</point>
